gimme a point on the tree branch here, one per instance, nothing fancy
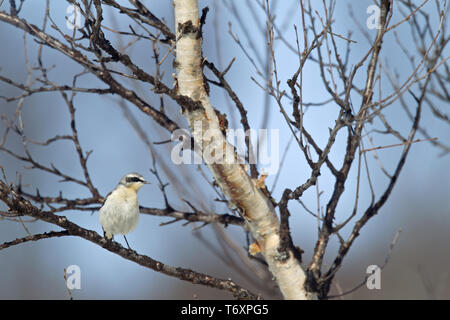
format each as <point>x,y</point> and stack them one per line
<point>21,206</point>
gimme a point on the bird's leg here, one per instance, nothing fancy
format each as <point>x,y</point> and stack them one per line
<point>107,236</point>
<point>127,242</point>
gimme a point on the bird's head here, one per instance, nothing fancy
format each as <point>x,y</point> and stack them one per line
<point>133,181</point>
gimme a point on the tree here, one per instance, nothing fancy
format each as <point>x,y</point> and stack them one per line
<point>360,109</point>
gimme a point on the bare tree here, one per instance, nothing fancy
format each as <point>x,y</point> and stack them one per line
<point>361,109</point>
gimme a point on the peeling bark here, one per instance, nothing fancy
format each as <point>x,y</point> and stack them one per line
<point>231,176</point>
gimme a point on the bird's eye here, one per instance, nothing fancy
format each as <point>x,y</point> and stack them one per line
<point>133,179</point>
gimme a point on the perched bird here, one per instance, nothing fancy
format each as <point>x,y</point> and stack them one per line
<point>120,211</point>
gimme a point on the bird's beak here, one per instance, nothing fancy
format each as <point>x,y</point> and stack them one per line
<point>147,182</point>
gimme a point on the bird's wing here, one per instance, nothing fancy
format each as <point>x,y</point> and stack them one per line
<point>107,197</point>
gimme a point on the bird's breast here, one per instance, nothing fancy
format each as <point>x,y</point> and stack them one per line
<point>127,195</point>
<point>124,201</point>
<point>120,212</point>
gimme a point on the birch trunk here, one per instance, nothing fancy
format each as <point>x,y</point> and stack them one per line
<point>241,190</point>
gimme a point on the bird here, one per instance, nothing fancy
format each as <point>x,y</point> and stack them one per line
<point>120,211</point>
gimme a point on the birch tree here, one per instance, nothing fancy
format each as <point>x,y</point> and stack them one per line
<point>101,46</point>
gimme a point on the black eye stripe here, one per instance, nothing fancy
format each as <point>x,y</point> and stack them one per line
<point>133,179</point>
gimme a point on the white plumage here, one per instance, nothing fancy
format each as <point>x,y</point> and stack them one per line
<point>120,211</point>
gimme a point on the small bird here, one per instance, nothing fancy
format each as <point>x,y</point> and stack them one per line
<point>120,211</point>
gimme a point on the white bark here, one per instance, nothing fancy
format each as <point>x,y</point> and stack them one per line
<point>231,176</point>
